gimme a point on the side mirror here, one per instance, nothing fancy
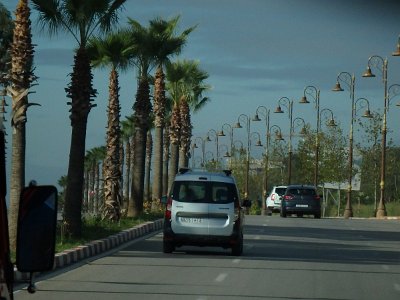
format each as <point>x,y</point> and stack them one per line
<point>164,199</point>
<point>36,234</point>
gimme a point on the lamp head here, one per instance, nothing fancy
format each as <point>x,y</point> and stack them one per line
<point>368,114</point>
<point>237,125</point>
<point>278,110</point>
<point>221,133</point>
<point>278,136</point>
<point>337,87</point>
<point>258,144</point>
<point>331,123</point>
<point>227,154</point>
<point>368,73</point>
<point>256,118</point>
<point>397,52</point>
<point>208,139</point>
<point>304,100</point>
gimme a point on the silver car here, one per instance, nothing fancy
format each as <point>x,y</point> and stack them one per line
<point>204,209</point>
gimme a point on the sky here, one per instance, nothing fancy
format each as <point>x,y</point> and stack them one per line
<point>255,52</point>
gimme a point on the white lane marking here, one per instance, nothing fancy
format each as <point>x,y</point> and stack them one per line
<point>385,267</point>
<point>236,260</point>
<point>257,237</point>
<point>397,287</point>
<point>221,277</point>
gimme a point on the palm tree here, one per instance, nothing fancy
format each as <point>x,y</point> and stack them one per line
<point>184,85</point>
<point>112,51</point>
<point>144,46</point>
<point>6,38</point>
<point>82,19</point>
<point>21,78</point>
<point>193,99</point>
<point>93,158</point>
<point>127,134</point>
<point>169,45</point>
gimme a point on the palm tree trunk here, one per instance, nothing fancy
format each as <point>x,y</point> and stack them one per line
<point>73,193</point>
<point>158,164</point>
<point>80,91</point>
<point>149,148</point>
<point>127,179</point>
<point>159,123</point>
<point>173,164</point>
<point>175,128</point>
<point>21,78</point>
<point>18,182</point>
<point>135,207</point>
<point>165,162</point>
<point>111,166</point>
<point>142,108</point>
<point>185,133</point>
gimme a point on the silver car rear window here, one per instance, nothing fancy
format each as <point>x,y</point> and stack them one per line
<point>204,192</point>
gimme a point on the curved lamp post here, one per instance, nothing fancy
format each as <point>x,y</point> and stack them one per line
<point>286,102</point>
<point>349,80</point>
<point>313,92</point>
<point>225,151</point>
<point>213,134</point>
<point>192,147</point>
<point>330,123</point>
<point>265,112</point>
<point>230,131</point>
<point>203,148</point>
<point>382,64</point>
<point>246,119</point>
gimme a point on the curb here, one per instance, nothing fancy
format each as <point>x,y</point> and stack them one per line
<point>70,256</point>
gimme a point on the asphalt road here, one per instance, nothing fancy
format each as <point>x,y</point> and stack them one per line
<point>291,258</point>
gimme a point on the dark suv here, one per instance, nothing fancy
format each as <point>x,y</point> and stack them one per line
<point>301,200</point>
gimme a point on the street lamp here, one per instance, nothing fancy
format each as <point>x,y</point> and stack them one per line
<point>330,123</point>
<point>382,65</point>
<point>349,80</point>
<point>286,102</point>
<point>225,151</point>
<point>192,147</point>
<point>265,112</point>
<point>216,135</point>
<point>313,92</point>
<point>230,131</point>
<point>203,148</point>
<point>246,119</point>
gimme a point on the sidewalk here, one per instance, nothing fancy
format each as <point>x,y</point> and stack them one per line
<point>96,247</point>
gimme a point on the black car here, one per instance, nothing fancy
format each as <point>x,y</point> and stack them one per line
<point>301,200</point>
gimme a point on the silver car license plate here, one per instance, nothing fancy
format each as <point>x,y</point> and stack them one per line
<point>191,220</point>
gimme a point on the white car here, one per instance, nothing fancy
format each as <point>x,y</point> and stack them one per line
<point>274,199</point>
<point>204,209</point>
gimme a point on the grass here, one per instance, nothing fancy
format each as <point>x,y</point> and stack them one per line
<point>364,210</point>
<point>94,228</point>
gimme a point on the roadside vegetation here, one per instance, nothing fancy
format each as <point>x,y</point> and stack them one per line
<point>94,228</point>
